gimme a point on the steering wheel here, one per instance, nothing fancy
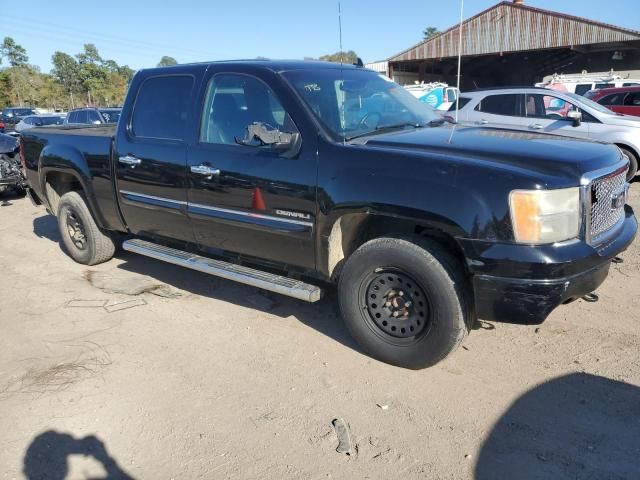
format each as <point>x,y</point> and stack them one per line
<point>364,121</point>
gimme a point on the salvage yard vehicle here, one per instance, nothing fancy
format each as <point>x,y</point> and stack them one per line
<point>296,176</point>
<point>625,100</point>
<point>581,83</point>
<point>11,173</point>
<point>438,95</point>
<point>41,120</point>
<point>10,116</point>
<point>92,116</point>
<point>557,113</point>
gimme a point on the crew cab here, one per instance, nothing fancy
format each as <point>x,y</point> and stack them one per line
<point>295,177</point>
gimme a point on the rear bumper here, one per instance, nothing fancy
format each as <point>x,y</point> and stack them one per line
<point>524,284</point>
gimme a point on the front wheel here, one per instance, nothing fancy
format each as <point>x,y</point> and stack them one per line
<point>85,242</point>
<point>633,163</point>
<point>406,302</point>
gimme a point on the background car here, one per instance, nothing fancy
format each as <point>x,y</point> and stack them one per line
<point>549,111</point>
<point>10,117</point>
<point>438,95</point>
<point>93,116</point>
<point>32,121</point>
<point>624,100</point>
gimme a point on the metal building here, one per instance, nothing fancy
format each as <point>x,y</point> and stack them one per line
<point>514,44</point>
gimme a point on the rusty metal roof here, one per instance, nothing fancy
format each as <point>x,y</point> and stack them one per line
<point>510,27</point>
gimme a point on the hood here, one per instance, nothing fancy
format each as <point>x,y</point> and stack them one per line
<point>542,155</point>
<point>8,143</point>
<point>623,120</point>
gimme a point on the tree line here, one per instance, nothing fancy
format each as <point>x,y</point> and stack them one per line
<point>75,80</point>
<point>85,78</point>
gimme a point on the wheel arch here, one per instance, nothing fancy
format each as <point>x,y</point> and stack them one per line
<point>351,230</point>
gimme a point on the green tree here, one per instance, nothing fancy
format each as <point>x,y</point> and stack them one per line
<point>341,57</point>
<point>15,54</point>
<point>167,61</point>
<point>430,32</point>
<point>66,71</point>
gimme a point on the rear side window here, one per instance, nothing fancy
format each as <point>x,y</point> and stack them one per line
<point>505,104</point>
<point>583,88</point>
<point>161,107</point>
<point>614,99</point>
<point>462,101</point>
<point>78,117</point>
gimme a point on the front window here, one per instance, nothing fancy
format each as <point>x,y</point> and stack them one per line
<point>352,103</point>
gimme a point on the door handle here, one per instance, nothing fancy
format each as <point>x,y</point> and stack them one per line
<point>206,171</point>
<point>536,126</point>
<point>130,160</point>
<point>483,122</point>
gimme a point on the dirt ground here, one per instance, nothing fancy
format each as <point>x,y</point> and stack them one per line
<point>139,369</point>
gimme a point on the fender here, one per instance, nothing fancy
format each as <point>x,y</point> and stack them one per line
<point>69,160</point>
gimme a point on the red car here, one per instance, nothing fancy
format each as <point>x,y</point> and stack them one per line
<point>621,100</point>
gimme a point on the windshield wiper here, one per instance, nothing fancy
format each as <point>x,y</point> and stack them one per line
<point>383,128</point>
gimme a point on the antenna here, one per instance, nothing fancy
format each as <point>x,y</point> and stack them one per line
<point>340,31</point>
<point>459,56</point>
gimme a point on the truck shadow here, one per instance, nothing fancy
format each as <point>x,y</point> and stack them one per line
<point>48,455</point>
<point>322,316</point>
<point>46,226</point>
<point>575,426</point>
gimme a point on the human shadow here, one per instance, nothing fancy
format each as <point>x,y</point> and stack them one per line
<point>48,454</point>
<point>578,426</point>
<point>322,316</point>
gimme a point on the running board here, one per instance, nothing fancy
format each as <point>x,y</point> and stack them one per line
<point>237,273</point>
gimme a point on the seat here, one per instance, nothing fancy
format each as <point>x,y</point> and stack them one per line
<point>227,121</point>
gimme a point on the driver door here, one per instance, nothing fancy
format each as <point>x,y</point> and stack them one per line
<point>548,113</point>
<point>250,200</point>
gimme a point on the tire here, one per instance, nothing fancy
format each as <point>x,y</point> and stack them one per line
<point>633,163</point>
<point>83,240</point>
<point>440,312</point>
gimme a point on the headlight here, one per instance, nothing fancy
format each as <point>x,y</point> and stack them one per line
<point>545,216</point>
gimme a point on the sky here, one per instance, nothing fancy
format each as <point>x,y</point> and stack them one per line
<point>139,32</point>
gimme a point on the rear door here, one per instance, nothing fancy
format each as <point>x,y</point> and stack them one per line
<point>251,200</point>
<point>498,110</point>
<point>631,104</point>
<point>151,157</point>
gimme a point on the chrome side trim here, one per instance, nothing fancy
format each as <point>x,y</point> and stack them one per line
<point>151,197</point>
<point>252,215</point>
<point>238,273</point>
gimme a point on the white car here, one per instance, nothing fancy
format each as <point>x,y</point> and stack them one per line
<point>32,121</point>
<point>548,111</point>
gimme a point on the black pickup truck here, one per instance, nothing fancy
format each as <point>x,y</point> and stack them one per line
<point>293,176</point>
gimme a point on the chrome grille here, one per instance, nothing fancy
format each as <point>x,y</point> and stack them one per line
<point>605,214</point>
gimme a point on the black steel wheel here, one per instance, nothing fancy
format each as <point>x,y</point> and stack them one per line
<point>82,238</point>
<point>396,304</point>
<point>406,302</point>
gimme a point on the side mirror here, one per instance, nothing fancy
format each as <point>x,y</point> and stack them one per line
<point>262,135</point>
<point>575,116</point>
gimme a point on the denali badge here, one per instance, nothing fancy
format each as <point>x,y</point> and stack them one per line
<point>287,213</point>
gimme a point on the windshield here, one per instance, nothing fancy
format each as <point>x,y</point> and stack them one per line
<point>354,103</point>
<point>110,116</point>
<point>591,103</point>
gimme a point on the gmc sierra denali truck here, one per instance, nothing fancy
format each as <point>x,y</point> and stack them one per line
<point>295,176</point>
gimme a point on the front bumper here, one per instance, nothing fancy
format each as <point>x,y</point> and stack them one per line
<point>524,284</point>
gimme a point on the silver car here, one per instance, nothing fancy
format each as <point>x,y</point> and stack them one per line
<point>549,111</point>
<point>32,121</point>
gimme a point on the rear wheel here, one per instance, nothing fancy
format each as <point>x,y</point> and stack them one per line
<point>633,163</point>
<point>406,302</point>
<point>85,242</point>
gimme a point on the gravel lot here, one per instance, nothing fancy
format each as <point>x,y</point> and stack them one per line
<point>195,377</point>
